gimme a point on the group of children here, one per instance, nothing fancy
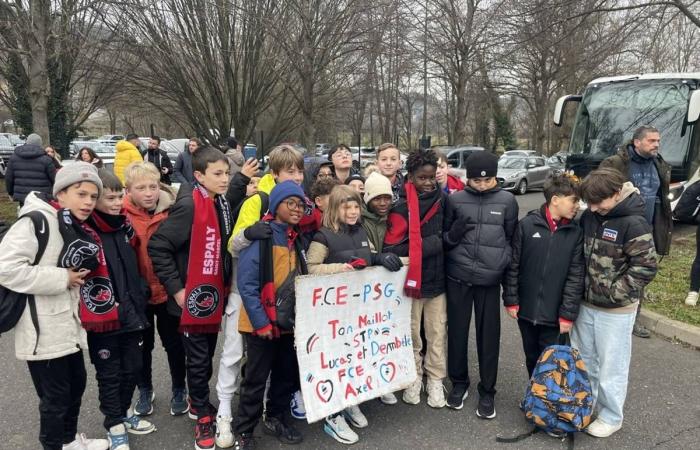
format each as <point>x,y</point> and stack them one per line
<point>223,253</point>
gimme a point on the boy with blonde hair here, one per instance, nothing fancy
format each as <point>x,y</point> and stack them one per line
<point>147,205</point>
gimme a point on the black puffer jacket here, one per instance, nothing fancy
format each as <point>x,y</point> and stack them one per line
<point>169,247</point>
<point>433,256</point>
<point>545,276</point>
<point>481,256</point>
<point>131,291</point>
<point>30,169</point>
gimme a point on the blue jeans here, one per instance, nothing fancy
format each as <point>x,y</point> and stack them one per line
<point>604,340</point>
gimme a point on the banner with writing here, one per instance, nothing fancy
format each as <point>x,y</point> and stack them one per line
<point>353,338</point>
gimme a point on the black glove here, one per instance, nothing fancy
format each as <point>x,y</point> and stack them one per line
<point>259,231</point>
<point>460,227</point>
<point>390,261</point>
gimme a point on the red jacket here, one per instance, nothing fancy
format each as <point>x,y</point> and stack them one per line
<point>454,184</point>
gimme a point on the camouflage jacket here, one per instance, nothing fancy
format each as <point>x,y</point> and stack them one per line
<point>619,252</point>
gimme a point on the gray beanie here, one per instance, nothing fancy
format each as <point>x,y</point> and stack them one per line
<point>76,172</point>
<point>33,139</point>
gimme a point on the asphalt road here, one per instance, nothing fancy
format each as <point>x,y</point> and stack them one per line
<point>662,410</point>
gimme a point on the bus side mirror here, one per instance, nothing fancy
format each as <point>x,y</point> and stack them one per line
<point>559,108</point>
<point>694,107</point>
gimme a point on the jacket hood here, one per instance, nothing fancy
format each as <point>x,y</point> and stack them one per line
<point>34,202</point>
<point>367,214</point>
<point>30,151</point>
<point>124,146</point>
<point>631,204</point>
<point>267,182</point>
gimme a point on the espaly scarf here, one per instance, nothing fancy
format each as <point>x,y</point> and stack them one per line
<point>82,249</point>
<point>205,288</point>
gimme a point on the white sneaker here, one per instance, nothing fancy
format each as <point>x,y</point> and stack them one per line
<point>389,399</point>
<point>224,436</point>
<point>355,417</point>
<point>83,443</point>
<point>601,429</point>
<point>412,394</point>
<point>118,438</point>
<point>692,298</point>
<point>337,428</point>
<point>436,394</point>
<point>296,406</point>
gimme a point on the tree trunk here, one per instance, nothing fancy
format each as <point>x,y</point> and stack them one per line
<point>37,70</point>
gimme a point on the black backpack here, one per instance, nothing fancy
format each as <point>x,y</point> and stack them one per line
<point>686,209</point>
<point>12,303</point>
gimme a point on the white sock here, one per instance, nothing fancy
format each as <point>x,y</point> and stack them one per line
<point>224,408</point>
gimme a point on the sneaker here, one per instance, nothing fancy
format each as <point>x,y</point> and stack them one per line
<point>641,331</point>
<point>244,441</point>
<point>458,394</point>
<point>118,438</point>
<point>389,399</point>
<point>137,425</point>
<point>692,298</point>
<point>224,436</point>
<point>486,408</point>
<point>144,405</point>
<point>412,394</point>
<point>284,433</point>
<point>83,443</point>
<point>296,406</point>
<point>337,428</point>
<point>193,413</point>
<point>205,433</point>
<point>436,394</point>
<point>601,429</point>
<point>179,404</point>
<point>354,416</point>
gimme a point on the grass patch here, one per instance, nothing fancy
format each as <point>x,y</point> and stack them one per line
<point>665,295</point>
<point>8,208</point>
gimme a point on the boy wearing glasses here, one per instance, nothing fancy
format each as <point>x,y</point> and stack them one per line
<point>263,267</point>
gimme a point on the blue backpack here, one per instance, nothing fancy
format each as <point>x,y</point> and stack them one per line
<point>558,398</point>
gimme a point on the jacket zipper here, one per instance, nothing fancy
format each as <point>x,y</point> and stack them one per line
<point>478,233</point>
<point>590,253</point>
<point>544,272</point>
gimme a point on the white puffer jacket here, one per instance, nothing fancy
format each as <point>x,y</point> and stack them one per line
<point>57,306</point>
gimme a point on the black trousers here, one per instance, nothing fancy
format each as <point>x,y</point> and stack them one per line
<point>535,339</point>
<point>487,319</point>
<point>199,349</point>
<point>695,268</point>
<point>277,359</point>
<point>60,384</point>
<point>167,324</point>
<point>117,359</point>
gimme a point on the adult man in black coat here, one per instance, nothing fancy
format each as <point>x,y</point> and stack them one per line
<point>30,169</point>
<point>159,158</point>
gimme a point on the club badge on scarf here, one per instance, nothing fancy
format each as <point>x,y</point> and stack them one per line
<point>82,249</point>
<point>204,289</point>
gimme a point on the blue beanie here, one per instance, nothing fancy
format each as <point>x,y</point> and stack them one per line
<point>282,191</point>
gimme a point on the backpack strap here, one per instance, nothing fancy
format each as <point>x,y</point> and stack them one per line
<point>264,203</point>
<point>518,438</point>
<point>41,230</point>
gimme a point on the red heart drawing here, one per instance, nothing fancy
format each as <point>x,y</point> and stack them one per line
<point>324,390</point>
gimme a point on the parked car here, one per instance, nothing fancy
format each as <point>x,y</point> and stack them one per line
<point>171,149</point>
<point>323,149</point>
<point>521,174</point>
<point>113,138</point>
<point>3,169</point>
<point>519,153</point>
<point>14,139</point>
<point>102,150</point>
<point>6,150</point>
<point>557,162</point>
<point>457,157</point>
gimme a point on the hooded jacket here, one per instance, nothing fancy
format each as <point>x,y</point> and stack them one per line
<point>396,239</point>
<point>375,227</point>
<point>29,169</point>
<point>663,220</point>
<point>145,225</point>
<point>126,153</point>
<point>169,248</point>
<point>60,332</point>
<point>481,256</point>
<point>619,252</point>
<point>545,276</point>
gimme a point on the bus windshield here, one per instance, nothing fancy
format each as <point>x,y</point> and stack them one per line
<point>609,114</point>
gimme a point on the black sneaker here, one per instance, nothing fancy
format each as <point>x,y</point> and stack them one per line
<point>286,434</point>
<point>641,331</point>
<point>455,399</point>
<point>244,441</point>
<point>486,408</point>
